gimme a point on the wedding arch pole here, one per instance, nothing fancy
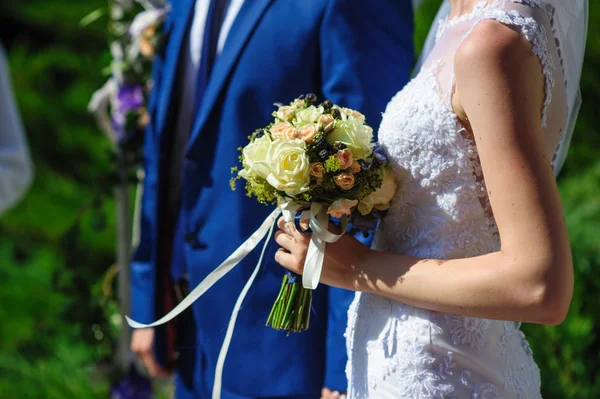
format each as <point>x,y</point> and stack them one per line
<point>124,250</point>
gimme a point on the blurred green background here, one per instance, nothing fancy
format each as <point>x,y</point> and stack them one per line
<point>58,315</point>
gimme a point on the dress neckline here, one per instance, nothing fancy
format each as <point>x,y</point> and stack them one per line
<point>483,5</point>
<point>465,17</point>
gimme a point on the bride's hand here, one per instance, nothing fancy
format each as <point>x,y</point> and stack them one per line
<point>294,246</point>
<point>338,256</point>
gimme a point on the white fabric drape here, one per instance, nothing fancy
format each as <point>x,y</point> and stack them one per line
<point>16,169</point>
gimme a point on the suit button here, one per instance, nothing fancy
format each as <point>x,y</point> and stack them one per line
<point>190,238</point>
<point>190,166</point>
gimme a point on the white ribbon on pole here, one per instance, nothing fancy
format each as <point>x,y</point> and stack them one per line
<point>99,107</point>
<point>319,221</point>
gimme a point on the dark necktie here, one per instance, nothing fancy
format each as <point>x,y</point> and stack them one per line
<point>214,22</point>
<point>212,29</point>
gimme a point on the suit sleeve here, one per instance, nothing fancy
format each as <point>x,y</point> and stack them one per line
<point>366,54</point>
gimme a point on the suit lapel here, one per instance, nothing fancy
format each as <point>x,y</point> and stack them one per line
<point>241,30</point>
<point>177,23</point>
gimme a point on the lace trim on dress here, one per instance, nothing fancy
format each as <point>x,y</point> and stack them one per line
<point>522,374</point>
<point>536,35</point>
<point>534,32</point>
<point>551,12</point>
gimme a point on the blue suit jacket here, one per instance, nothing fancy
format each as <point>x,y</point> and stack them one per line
<point>356,53</point>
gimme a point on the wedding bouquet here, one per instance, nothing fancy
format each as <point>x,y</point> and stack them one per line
<point>316,162</point>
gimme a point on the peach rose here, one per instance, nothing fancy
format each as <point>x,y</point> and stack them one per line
<point>308,133</point>
<point>355,167</point>
<point>344,180</point>
<point>354,113</point>
<point>327,122</point>
<point>299,103</point>
<point>341,208</point>
<point>317,170</point>
<point>345,156</point>
<point>284,131</point>
<point>285,113</point>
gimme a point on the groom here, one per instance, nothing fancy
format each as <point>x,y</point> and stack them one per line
<point>224,65</point>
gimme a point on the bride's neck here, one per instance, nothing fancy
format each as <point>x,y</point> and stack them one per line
<point>460,7</point>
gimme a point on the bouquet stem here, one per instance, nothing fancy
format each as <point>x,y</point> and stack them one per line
<point>291,310</point>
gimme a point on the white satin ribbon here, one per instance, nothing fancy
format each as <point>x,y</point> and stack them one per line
<point>217,274</point>
<point>231,326</point>
<point>319,223</point>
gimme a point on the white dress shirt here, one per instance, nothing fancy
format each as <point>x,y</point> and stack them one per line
<point>188,73</point>
<point>15,165</point>
<point>190,57</point>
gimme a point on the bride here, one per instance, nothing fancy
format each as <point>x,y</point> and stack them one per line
<point>475,241</point>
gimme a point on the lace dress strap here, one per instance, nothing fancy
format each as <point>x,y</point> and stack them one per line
<point>534,20</point>
<point>523,15</point>
<point>536,34</point>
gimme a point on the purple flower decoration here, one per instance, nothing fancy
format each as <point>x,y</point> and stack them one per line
<point>133,386</point>
<point>130,98</point>
<point>366,164</point>
<point>379,155</point>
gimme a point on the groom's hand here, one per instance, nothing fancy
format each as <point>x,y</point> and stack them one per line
<point>328,394</point>
<point>142,344</point>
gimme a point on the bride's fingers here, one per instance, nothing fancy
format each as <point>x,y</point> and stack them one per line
<point>285,241</point>
<point>281,223</point>
<point>290,228</point>
<point>289,261</point>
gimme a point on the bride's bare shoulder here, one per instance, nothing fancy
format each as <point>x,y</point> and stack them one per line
<point>496,60</point>
<point>495,47</point>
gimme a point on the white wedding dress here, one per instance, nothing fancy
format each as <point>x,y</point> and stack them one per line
<point>441,211</point>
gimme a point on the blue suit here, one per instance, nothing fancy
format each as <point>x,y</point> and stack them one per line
<point>353,52</point>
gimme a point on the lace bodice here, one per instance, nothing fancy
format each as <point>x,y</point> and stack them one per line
<point>442,211</point>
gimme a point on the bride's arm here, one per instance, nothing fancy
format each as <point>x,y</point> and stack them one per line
<point>500,87</point>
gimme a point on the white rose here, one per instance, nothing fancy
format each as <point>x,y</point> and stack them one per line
<point>255,158</point>
<point>358,137</point>
<point>365,206</point>
<point>307,116</point>
<point>384,194</point>
<point>289,165</point>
